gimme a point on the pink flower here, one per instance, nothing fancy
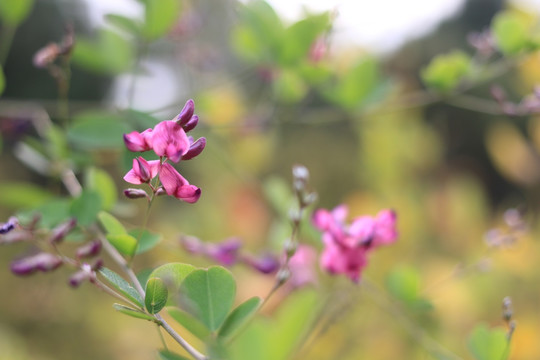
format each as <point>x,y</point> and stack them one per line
<point>143,171</point>
<point>138,142</point>
<point>347,246</point>
<point>302,266</point>
<point>170,140</point>
<point>177,186</point>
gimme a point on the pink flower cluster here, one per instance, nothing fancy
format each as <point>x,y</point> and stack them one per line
<point>169,141</point>
<point>346,246</point>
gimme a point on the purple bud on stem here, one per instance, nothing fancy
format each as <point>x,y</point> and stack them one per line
<point>60,232</point>
<point>42,262</point>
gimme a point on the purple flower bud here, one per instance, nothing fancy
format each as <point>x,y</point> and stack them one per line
<point>195,149</point>
<point>266,264</point>
<point>86,273</point>
<point>97,265</point>
<point>91,249</point>
<point>9,225</point>
<point>192,245</point>
<point>190,125</point>
<point>135,193</point>
<point>42,262</point>
<point>15,236</point>
<point>46,55</point>
<point>225,253</point>
<point>60,232</point>
<point>161,191</point>
<point>186,114</point>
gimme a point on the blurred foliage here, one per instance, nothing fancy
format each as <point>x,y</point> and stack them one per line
<point>273,94</point>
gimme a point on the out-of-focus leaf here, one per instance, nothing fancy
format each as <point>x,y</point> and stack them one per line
<point>156,295</point>
<point>404,284</point>
<point>144,275</point>
<point>209,295</point>
<point>354,86</point>
<point>57,142</point>
<point>111,225</point>
<point>97,130</point>
<point>147,240</point>
<point>22,195</point>
<point>141,119</point>
<point>2,80</point>
<point>289,87</point>
<point>488,344</point>
<point>167,355</point>
<point>121,285</point>
<point>99,181</point>
<point>124,243</point>
<point>13,12</point>
<point>86,207</point>
<point>510,32</point>
<point>445,72</point>
<point>315,74</point>
<point>239,317</point>
<point>133,312</point>
<point>270,339</point>
<point>299,37</point>
<point>190,323</point>
<point>124,23</point>
<point>109,54</point>
<point>51,212</point>
<point>279,194</point>
<point>159,17</point>
<point>246,44</point>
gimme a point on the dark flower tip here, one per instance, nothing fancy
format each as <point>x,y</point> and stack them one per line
<point>9,225</point>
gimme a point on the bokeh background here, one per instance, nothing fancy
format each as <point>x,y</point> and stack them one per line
<point>340,94</point>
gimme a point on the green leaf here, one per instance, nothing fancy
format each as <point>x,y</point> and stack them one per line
<point>2,80</point>
<point>97,130</point>
<point>147,240</point>
<point>121,285</point>
<point>51,213</point>
<point>173,274</point>
<point>488,344</point>
<point>22,195</point>
<point>141,119</point>
<point>56,142</point>
<point>445,72</point>
<point>289,87</point>
<point>133,312</point>
<point>510,32</point>
<point>404,284</point>
<point>239,317</point>
<point>144,275</point>
<point>167,355</point>
<point>209,295</point>
<point>299,37</point>
<point>190,323</point>
<point>156,295</point>
<point>278,192</point>
<point>13,12</point>
<point>86,207</point>
<point>124,23</point>
<point>124,243</point>
<point>109,54</point>
<point>159,17</point>
<point>111,225</point>
<point>102,183</point>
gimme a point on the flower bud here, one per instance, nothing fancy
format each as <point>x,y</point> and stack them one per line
<point>91,249</point>
<point>46,55</point>
<point>266,264</point>
<point>192,244</point>
<point>186,114</point>
<point>195,149</point>
<point>86,273</point>
<point>190,125</point>
<point>43,262</point>
<point>135,193</point>
<point>226,252</point>
<point>290,247</point>
<point>283,275</point>
<point>9,225</point>
<point>60,232</point>
<point>301,173</point>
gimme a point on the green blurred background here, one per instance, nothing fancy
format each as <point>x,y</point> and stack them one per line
<point>267,102</point>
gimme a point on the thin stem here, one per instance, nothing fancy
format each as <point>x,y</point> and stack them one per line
<point>190,349</point>
<point>162,338</point>
<point>145,222</point>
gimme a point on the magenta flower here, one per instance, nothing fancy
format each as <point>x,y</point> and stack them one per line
<point>346,246</point>
<point>143,171</point>
<point>176,185</point>
<point>139,142</point>
<point>170,140</point>
<point>302,266</point>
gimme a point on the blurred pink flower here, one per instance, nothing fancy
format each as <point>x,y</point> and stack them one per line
<point>139,142</point>
<point>346,246</point>
<point>302,266</point>
<point>176,185</point>
<point>143,171</point>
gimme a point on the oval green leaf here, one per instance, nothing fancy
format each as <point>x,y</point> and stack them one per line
<point>101,182</point>
<point>156,295</point>
<point>97,130</point>
<point>121,285</point>
<point>133,312</point>
<point>86,207</point>
<point>124,243</point>
<point>488,344</point>
<point>209,295</point>
<point>111,225</point>
<point>239,317</point>
<point>172,274</point>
